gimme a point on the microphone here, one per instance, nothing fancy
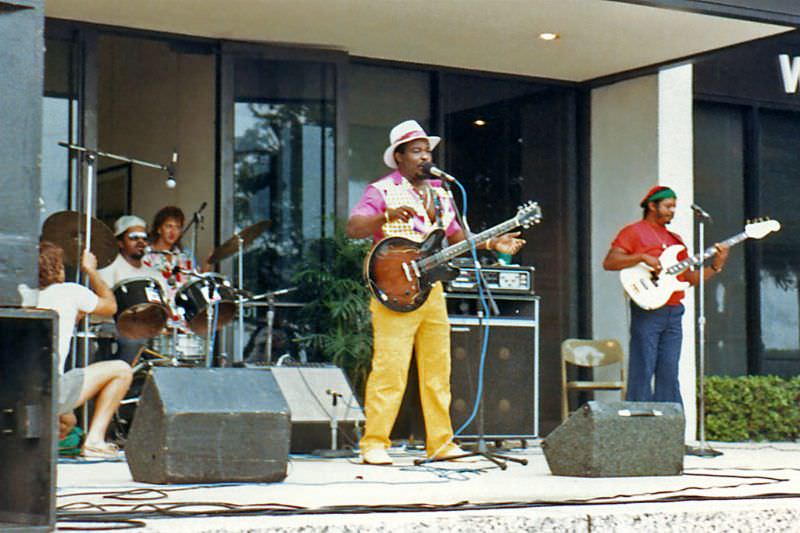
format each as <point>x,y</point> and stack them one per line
<point>431,169</point>
<point>171,182</point>
<point>699,211</point>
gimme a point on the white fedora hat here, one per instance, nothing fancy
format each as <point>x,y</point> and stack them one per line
<point>404,132</point>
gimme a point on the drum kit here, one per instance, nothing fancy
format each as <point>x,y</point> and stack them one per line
<point>176,332</point>
<point>206,303</point>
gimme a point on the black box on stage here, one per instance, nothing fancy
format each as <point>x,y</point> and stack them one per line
<point>28,405</point>
<point>618,439</point>
<point>508,386</point>
<point>209,425</point>
<point>309,390</point>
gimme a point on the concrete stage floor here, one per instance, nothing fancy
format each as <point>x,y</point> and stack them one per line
<point>751,487</point>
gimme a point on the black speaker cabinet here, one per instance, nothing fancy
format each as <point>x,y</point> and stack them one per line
<point>207,425</point>
<point>509,376</point>
<point>618,439</point>
<point>309,391</point>
<point>28,404</point>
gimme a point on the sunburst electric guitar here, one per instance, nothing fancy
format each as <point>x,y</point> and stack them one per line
<point>401,272</point>
<point>651,291</point>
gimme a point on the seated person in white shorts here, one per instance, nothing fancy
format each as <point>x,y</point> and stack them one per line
<point>106,381</point>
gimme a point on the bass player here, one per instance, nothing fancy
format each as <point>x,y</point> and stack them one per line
<point>656,335</point>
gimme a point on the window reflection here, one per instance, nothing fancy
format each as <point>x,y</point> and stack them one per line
<point>284,169</point>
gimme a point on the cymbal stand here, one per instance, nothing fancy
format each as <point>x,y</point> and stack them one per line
<point>270,297</point>
<point>238,354</point>
<point>210,313</point>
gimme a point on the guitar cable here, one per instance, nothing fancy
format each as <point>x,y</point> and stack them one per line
<point>485,307</point>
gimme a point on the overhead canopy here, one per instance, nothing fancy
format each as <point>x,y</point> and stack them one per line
<point>597,38</point>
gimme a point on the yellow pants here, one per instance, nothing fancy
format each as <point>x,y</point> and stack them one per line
<point>427,331</point>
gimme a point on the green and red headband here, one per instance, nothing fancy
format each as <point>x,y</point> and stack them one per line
<point>657,193</point>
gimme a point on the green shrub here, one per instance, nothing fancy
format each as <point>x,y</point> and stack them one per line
<point>335,321</point>
<point>752,408</point>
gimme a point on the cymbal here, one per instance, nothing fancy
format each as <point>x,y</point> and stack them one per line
<point>64,228</point>
<point>231,246</point>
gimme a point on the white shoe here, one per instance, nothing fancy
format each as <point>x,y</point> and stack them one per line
<point>376,456</point>
<point>453,453</point>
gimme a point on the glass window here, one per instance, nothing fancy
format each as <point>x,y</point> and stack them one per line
<point>719,189</point>
<point>284,161</point>
<point>59,124</point>
<point>379,98</point>
<point>780,252</point>
<point>508,142</point>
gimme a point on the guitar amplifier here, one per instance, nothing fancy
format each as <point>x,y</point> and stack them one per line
<point>516,280</point>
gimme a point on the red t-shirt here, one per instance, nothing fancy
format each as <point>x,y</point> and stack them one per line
<point>644,238</point>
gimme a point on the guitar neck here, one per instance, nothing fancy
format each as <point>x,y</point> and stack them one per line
<point>446,254</point>
<point>698,259</point>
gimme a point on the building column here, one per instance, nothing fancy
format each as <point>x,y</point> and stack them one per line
<point>641,135</point>
<point>21,86</point>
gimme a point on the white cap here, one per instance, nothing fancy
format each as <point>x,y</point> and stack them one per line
<point>125,222</point>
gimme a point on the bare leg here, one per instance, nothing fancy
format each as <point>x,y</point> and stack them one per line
<point>109,381</point>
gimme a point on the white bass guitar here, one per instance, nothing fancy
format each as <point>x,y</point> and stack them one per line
<point>651,291</point>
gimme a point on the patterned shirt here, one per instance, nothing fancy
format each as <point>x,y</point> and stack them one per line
<point>394,190</point>
<point>164,266</point>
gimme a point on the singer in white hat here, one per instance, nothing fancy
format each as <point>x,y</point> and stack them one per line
<point>407,203</point>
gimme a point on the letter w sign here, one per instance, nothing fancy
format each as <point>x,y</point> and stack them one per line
<point>790,72</point>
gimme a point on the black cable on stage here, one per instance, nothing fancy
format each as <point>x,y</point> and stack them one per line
<point>122,524</point>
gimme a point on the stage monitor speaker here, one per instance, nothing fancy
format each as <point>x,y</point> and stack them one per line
<point>508,384</point>
<point>618,439</point>
<point>208,425</point>
<point>28,405</point>
<point>309,391</point>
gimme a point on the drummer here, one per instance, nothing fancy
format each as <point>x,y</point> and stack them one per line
<point>131,234</point>
<point>167,252</point>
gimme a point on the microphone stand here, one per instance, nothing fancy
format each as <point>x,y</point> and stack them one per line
<point>703,450</point>
<point>90,158</point>
<point>481,449</point>
<point>193,224</point>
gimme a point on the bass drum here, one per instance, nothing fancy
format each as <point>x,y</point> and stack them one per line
<point>141,310</point>
<point>195,298</point>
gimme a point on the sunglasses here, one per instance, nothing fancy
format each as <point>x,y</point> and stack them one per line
<point>137,235</point>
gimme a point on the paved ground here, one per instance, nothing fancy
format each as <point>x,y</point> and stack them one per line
<point>751,487</point>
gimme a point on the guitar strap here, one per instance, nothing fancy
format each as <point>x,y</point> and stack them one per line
<point>437,207</point>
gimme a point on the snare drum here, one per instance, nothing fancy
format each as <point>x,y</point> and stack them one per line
<point>141,310</point>
<point>196,296</point>
<point>188,347</point>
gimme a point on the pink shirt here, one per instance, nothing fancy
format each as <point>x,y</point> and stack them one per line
<point>393,190</point>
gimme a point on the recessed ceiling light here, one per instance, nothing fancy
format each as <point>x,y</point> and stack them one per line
<point>479,122</point>
<point>548,36</point>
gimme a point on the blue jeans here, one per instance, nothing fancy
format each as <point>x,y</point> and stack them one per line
<point>655,349</point>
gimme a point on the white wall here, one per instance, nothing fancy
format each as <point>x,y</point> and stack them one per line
<point>641,135</point>
<point>153,100</point>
